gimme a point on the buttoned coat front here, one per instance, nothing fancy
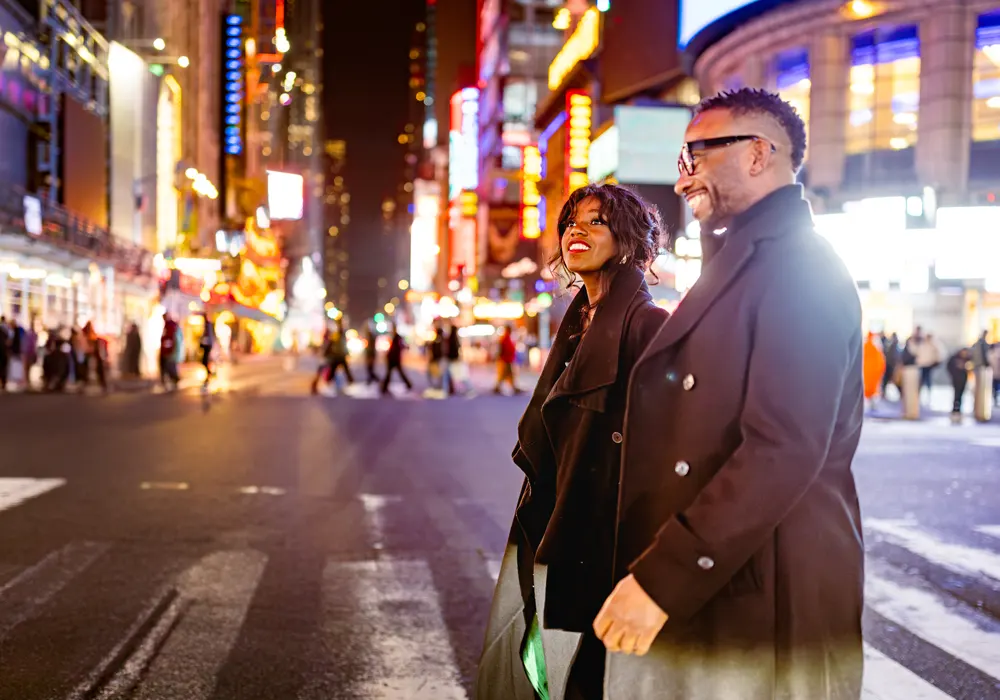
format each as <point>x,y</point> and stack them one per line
<point>737,509</point>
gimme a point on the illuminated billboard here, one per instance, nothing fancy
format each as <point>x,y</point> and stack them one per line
<point>463,142</point>
<point>580,46</point>
<point>232,85</point>
<point>698,14</point>
<point>580,111</point>
<point>285,196</point>
<point>424,246</point>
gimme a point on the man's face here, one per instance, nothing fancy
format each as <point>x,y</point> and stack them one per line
<point>717,190</point>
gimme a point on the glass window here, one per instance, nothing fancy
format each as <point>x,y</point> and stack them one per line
<point>790,72</point>
<point>986,79</point>
<point>884,90</point>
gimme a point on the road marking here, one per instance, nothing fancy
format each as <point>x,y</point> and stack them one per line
<point>164,486</point>
<point>927,616</point>
<point>991,530</point>
<point>387,612</point>
<point>23,596</point>
<point>374,505</point>
<point>218,592</point>
<point>262,490</point>
<point>887,680</point>
<point>968,561</point>
<point>164,606</point>
<point>14,492</point>
<point>986,442</point>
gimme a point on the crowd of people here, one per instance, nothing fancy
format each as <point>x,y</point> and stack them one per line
<point>447,369</point>
<point>886,356</point>
<point>68,357</point>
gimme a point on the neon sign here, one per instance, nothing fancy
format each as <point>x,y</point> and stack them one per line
<point>581,45</point>
<point>531,174</point>
<point>579,110</point>
<point>232,92</point>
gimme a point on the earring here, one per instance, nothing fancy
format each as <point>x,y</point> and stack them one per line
<point>624,259</point>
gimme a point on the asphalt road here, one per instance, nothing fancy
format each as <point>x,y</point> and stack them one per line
<point>256,542</point>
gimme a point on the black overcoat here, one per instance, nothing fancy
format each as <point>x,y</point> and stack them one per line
<point>570,436</point>
<point>737,508</point>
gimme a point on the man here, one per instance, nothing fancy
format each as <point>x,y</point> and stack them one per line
<point>739,553</point>
<point>168,353</point>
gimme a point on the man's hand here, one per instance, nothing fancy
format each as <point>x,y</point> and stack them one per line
<point>629,620</point>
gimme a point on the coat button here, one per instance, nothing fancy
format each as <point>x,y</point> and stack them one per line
<point>688,383</point>
<point>682,468</point>
<point>616,438</point>
<point>706,563</point>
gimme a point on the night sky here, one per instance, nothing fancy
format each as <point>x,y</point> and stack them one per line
<point>366,74</point>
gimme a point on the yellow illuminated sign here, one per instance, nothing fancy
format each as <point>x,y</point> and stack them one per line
<point>581,45</point>
<point>579,110</point>
<point>531,174</point>
<point>468,202</point>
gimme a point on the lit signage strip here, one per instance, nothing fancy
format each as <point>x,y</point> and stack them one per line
<point>581,45</point>
<point>232,93</point>
<point>531,174</point>
<point>463,142</point>
<point>579,111</point>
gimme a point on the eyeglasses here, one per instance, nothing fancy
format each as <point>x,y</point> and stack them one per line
<point>685,163</point>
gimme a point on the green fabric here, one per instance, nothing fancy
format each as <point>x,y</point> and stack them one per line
<point>533,658</point>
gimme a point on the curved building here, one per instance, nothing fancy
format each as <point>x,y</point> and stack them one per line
<point>902,104</point>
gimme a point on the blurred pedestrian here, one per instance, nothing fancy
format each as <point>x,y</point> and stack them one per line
<point>169,376</point>
<point>506,357</point>
<point>959,366</point>
<point>4,352</point>
<point>206,346</point>
<point>394,362</point>
<point>132,356</point>
<point>740,566</point>
<point>456,371</point>
<point>874,367</point>
<point>436,359</point>
<point>569,448</point>
<point>371,354</point>
<point>96,355</point>
<point>995,365</point>
<point>890,347</point>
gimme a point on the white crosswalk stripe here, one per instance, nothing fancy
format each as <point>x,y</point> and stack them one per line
<point>405,640</point>
<point>887,680</point>
<point>15,491</point>
<point>386,612</point>
<point>962,559</point>
<point>991,530</point>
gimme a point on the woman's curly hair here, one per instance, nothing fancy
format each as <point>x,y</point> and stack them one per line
<point>635,226</point>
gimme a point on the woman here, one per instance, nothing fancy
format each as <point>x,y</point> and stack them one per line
<point>559,567</point>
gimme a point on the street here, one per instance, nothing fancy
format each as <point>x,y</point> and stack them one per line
<point>258,542</point>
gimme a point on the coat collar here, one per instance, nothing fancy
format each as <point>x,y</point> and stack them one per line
<point>781,213</point>
<point>595,363</point>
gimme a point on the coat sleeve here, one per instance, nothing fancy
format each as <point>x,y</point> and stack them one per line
<point>807,339</point>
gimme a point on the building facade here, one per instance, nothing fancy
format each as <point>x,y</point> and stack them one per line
<point>900,101</point>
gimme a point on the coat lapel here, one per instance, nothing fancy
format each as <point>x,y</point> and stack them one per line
<point>782,212</point>
<point>595,364</point>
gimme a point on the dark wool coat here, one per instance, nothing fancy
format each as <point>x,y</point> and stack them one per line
<point>569,441</point>
<point>737,510</point>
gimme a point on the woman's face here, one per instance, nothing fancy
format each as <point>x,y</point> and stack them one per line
<point>587,243</point>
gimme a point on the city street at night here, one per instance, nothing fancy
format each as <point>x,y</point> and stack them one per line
<point>261,543</point>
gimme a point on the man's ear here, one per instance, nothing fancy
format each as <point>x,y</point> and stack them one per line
<point>761,152</point>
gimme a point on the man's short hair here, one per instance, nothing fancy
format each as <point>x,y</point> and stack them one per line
<point>753,101</point>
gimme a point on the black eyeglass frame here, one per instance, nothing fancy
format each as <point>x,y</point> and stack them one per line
<point>685,161</point>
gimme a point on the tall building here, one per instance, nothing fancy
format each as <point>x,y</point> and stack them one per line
<point>337,212</point>
<point>517,43</point>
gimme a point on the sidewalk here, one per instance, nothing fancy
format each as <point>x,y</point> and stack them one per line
<point>937,406</point>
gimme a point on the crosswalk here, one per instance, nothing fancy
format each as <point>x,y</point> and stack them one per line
<point>383,614</point>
